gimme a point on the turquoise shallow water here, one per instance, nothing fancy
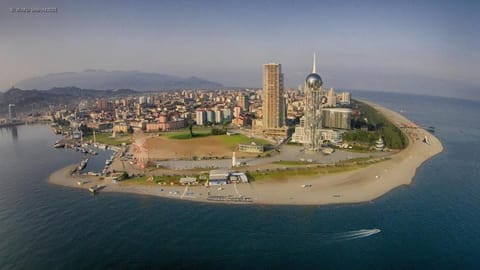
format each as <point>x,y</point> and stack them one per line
<point>432,224</point>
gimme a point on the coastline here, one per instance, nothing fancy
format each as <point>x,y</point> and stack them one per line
<point>360,185</point>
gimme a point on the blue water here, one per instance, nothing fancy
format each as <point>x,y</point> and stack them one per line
<point>432,224</point>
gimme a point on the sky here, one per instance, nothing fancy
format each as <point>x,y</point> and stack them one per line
<point>425,47</point>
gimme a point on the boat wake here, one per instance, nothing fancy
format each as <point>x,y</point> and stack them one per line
<point>351,235</point>
<point>318,241</point>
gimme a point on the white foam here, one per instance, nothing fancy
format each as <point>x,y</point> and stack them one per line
<point>350,235</point>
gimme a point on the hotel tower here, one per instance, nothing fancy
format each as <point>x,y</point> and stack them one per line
<point>273,105</point>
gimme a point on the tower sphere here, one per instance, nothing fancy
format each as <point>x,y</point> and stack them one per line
<point>314,81</point>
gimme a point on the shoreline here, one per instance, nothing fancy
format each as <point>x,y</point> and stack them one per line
<point>360,185</point>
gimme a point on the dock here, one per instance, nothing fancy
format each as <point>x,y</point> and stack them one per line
<point>230,198</point>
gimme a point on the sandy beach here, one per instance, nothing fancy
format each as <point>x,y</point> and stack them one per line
<point>360,185</point>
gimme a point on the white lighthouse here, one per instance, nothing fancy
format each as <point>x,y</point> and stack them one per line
<point>234,160</point>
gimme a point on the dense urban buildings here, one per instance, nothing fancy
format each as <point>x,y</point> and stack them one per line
<point>319,115</point>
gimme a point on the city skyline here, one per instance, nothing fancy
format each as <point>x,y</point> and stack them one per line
<point>427,48</point>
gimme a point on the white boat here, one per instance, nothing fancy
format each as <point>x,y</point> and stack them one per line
<point>58,144</point>
<point>108,162</point>
<point>83,164</point>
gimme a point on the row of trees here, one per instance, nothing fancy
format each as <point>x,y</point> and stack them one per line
<point>214,131</point>
<point>377,126</point>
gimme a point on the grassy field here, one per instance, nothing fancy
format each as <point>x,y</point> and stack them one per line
<point>106,138</point>
<point>179,145</point>
<point>288,173</point>
<point>279,175</point>
<point>184,134</point>
<point>148,181</point>
<point>291,162</point>
<point>357,149</point>
<point>200,132</point>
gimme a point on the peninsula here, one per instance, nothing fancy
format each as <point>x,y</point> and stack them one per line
<point>323,184</point>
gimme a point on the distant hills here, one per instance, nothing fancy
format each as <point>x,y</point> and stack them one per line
<point>26,100</point>
<point>105,80</point>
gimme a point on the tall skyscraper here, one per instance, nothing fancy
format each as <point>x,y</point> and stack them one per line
<point>314,98</point>
<point>309,132</point>
<point>273,101</point>
<point>12,113</point>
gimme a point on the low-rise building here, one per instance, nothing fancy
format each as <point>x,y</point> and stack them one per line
<point>165,126</point>
<point>238,177</point>
<point>218,177</point>
<point>120,128</point>
<point>188,181</point>
<point>251,148</point>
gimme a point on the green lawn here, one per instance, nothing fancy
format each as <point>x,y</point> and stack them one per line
<point>106,138</point>
<point>292,162</point>
<point>145,180</point>
<point>299,172</point>
<point>184,134</point>
<point>284,174</point>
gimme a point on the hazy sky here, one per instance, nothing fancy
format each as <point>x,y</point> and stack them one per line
<point>430,47</point>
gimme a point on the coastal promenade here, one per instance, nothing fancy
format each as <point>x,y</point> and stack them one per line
<point>360,185</point>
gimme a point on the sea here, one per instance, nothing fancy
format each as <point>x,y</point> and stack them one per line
<point>434,223</point>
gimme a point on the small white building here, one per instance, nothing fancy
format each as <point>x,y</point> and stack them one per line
<point>238,177</point>
<point>218,177</point>
<point>188,181</point>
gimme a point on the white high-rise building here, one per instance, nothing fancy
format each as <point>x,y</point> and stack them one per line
<point>219,116</point>
<point>344,98</point>
<point>12,112</point>
<point>201,117</point>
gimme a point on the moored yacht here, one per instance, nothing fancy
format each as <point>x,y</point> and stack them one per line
<point>83,164</point>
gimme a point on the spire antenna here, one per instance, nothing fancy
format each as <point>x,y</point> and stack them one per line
<point>314,69</point>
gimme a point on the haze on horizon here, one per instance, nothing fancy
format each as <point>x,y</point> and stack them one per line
<point>425,47</point>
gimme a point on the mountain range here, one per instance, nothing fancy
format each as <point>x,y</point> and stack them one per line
<point>106,80</point>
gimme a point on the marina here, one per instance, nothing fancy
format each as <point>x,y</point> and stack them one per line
<point>96,158</point>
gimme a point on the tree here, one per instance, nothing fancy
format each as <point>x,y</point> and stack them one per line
<point>190,128</point>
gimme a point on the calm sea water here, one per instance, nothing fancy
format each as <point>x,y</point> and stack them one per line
<point>432,224</point>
